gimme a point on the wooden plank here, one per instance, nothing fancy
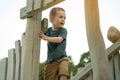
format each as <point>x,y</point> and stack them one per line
<point>48,5</point>
<point>111,67</point>
<point>3,68</point>
<point>18,59</point>
<point>113,49</point>
<point>46,2</point>
<point>117,66</point>
<point>84,72</point>
<point>26,73</point>
<point>37,4</point>
<point>94,36</point>
<point>11,65</point>
<point>22,56</point>
<point>30,5</point>
<point>88,77</point>
<point>36,47</point>
<point>30,54</point>
<point>24,14</point>
<point>44,24</point>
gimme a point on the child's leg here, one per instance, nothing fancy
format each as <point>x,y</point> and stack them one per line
<point>51,70</point>
<point>63,69</point>
<point>63,77</point>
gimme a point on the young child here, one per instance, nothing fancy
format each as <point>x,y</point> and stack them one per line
<point>57,61</point>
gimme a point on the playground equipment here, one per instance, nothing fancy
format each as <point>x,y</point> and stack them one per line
<point>23,61</point>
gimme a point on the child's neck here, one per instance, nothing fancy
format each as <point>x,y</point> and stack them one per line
<point>54,29</point>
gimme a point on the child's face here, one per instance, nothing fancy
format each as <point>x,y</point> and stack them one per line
<point>58,20</point>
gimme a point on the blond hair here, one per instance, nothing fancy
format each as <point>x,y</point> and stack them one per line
<point>53,11</point>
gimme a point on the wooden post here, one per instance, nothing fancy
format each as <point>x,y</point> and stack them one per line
<point>11,65</point>
<point>3,68</point>
<point>117,65</point>
<point>96,42</point>
<point>18,60</point>
<point>30,53</point>
<point>32,49</point>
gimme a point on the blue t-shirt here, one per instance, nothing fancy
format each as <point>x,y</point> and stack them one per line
<point>56,51</point>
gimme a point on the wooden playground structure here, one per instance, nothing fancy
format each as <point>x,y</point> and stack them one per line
<point>23,61</point>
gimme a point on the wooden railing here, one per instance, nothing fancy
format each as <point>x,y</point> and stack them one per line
<point>10,67</point>
<point>113,56</point>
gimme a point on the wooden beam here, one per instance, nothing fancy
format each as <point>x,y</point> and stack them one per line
<point>30,4</point>
<point>113,48</point>
<point>24,13</point>
<point>95,42</point>
<point>31,49</point>
<point>37,4</point>
<point>86,70</point>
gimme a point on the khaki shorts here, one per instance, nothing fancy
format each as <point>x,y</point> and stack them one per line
<point>54,69</point>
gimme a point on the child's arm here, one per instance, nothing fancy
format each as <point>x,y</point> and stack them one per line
<point>50,39</point>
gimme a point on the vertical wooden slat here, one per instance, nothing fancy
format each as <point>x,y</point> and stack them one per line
<point>36,47</point>
<point>18,59</point>
<point>28,51</point>
<point>88,77</point>
<point>11,65</point>
<point>22,56</point>
<point>30,63</point>
<point>117,65</point>
<point>3,68</point>
<point>111,68</point>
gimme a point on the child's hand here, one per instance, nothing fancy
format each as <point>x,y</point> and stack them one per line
<point>42,35</point>
<point>23,33</point>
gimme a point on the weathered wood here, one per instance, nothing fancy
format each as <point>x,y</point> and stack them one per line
<point>3,68</point>
<point>95,42</point>
<point>44,24</point>
<point>22,56</point>
<point>46,2</point>
<point>111,68</point>
<point>30,5</point>
<point>11,65</point>
<point>31,44</point>
<point>36,47</point>
<point>88,77</point>
<point>117,65</point>
<point>27,57</point>
<point>25,13</point>
<point>113,49</point>
<point>83,72</point>
<point>114,65</point>
<point>30,63</point>
<point>18,60</point>
<point>37,4</point>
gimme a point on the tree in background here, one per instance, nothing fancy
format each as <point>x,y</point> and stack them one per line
<point>41,71</point>
<point>72,67</point>
<point>85,58</point>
